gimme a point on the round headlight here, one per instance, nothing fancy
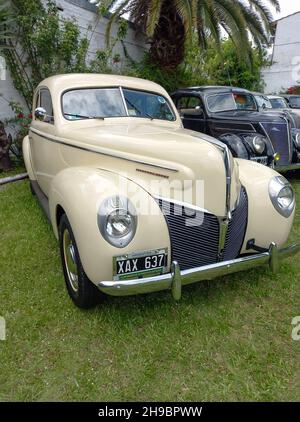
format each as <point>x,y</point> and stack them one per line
<point>282,196</point>
<point>296,137</point>
<point>259,144</point>
<point>117,221</point>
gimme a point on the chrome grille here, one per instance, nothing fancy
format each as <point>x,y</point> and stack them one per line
<point>236,229</point>
<point>198,245</point>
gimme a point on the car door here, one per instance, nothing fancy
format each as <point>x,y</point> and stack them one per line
<point>190,108</point>
<point>44,151</point>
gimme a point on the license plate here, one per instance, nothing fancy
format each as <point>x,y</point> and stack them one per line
<point>140,265</point>
<point>261,160</point>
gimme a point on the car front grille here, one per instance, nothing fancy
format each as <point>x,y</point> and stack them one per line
<point>195,245</point>
<point>280,138</point>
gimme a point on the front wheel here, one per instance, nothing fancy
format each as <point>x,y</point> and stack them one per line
<point>81,290</point>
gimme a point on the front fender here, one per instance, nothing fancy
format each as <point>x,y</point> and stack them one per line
<point>79,192</point>
<point>236,145</point>
<point>265,224</point>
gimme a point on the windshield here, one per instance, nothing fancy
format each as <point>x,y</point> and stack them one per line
<point>230,102</point>
<point>93,103</point>
<point>295,102</point>
<point>278,103</point>
<point>263,102</point>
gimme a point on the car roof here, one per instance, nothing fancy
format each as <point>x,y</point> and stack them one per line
<point>60,83</point>
<point>259,93</point>
<point>205,89</point>
<point>274,97</point>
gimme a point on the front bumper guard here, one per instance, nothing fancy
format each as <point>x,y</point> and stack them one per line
<point>176,279</point>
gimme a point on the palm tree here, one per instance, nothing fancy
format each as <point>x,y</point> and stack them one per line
<point>170,23</point>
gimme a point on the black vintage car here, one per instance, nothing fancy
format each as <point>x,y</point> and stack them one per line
<point>232,116</point>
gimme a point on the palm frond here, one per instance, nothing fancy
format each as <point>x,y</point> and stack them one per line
<point>246,23</point>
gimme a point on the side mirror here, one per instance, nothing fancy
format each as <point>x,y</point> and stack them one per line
<point>40,113</point>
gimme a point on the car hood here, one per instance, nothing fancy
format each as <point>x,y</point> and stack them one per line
<point>150,151</point>
<point>250,116</point>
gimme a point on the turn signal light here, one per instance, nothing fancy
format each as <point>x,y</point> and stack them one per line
<point>277,157</point>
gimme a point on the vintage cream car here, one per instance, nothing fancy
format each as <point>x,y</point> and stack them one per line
<point>140,204</point>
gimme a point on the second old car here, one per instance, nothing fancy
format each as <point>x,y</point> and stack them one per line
<point>139,204</point>
<point>232,116</point>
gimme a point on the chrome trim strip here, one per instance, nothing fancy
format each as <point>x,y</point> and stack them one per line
<point>124,101</point>
<point>176,279</point>
<point>224,224</point>
<point>183,204</point>
<point>58,141</point>
<point>267,136</point>
<point>229,170</point>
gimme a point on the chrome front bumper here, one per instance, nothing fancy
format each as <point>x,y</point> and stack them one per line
<point>176,279</point>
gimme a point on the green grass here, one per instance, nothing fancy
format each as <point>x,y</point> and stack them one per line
<point>17,169</point>
<point>228,339</point>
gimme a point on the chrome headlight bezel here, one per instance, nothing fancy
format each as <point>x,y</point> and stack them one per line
<point>296,137</point>
<point>113,212</point>
<point>280,188</point>
<point>258,143</point>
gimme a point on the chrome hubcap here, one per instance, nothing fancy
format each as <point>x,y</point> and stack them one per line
<point>70,260</point>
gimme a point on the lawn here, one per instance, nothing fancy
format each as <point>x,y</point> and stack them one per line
<point>228,339</point>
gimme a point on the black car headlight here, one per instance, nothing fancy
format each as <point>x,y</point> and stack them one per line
<point>117,221</point>
<point>282,196</point>
<point>296,137</point>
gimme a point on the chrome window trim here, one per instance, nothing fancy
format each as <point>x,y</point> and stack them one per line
<point>124,101</point>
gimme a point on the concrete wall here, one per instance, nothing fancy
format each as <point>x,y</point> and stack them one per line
<point>90,25</point>
<point>285,69</point>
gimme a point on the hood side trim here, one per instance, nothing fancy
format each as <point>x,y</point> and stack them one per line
<point>56,140</point>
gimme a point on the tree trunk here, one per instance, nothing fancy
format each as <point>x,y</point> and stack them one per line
<point>167,46</point>
<point>5,144</point>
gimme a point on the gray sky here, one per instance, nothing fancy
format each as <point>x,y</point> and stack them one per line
<point>288,7</point>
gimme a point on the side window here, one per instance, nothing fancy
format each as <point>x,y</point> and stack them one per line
<point>190,105</point>
<point>46,103</point>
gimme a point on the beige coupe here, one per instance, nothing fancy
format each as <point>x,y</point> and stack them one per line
<point>140,204</point>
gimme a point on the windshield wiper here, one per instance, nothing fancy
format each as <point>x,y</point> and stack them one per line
<point>80,116</point>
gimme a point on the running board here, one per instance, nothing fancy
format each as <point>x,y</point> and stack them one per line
<point>42,198</point>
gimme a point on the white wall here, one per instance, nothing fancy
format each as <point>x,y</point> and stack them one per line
<point>87,19</point>
<point>285,70</point>
<point>89,25</point>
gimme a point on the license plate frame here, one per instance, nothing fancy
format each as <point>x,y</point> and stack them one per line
<point>138,261</point>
